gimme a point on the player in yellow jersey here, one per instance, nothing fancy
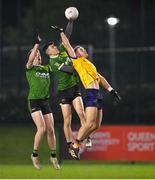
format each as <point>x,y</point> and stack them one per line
<point>91,81</point>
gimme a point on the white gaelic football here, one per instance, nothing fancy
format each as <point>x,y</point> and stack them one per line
<point>71,13</point>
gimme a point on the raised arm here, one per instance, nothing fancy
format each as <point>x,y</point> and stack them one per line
<point>67,45</point>
<point>69,29</point>
<point>104,83</point>
<point>65,41</point>
<point>33,52</point>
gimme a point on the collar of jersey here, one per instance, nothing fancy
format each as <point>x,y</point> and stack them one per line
<point>54,56</point>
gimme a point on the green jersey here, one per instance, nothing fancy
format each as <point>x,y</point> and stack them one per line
<point>38,78</point>
<point>65,80</point>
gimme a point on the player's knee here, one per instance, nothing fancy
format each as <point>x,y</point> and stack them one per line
<point>67,124</point>
<point>42,130</point>
<point>89,125</point>
<point>96,126</point>
<point>67,118</point>
<point>93,125</point>
<point>50,130</point>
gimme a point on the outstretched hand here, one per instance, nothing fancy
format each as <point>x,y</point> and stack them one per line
<point>58,29</point>
<point>116,96</point>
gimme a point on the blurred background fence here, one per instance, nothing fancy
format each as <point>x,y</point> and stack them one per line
<point>123,53</point>
<point>134,80</point>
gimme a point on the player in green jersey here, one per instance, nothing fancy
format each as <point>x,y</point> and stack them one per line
<point>68,89</point>
<point>38,77</point>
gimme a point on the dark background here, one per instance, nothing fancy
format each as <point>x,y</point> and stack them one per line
<point>132,54</point>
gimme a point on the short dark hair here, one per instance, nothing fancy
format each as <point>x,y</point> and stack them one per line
<point>46,45</point>
<point>76,47</point>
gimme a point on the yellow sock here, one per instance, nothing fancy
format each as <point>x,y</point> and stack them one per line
<point>76,145</point>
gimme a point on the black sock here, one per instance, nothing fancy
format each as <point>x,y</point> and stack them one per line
<point>35,153</point>
<point>53,153</point>
<point>79,141</point>
<point>69,143</point>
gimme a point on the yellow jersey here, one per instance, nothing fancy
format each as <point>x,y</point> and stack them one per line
<point>86,70</point>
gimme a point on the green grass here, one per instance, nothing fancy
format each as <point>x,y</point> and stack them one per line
<point>16,143</point>
<point>79,170</point>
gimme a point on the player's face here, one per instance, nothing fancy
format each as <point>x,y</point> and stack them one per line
<point>52,50</point>
<point>81,52</point>
<point>37,60</point>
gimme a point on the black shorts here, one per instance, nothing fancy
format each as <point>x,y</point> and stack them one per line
<point>39,105</point>
<point>92,98</point>
<point>68,95</point>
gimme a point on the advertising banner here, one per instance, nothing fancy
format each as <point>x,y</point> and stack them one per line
<point>126,143</point>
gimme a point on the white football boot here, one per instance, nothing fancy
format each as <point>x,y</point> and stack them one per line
<point>36,162</point>
<point>55,163</point>
<point>88,143</point>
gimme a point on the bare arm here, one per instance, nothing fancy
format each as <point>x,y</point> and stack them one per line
<point>104,83</point>
<point>69,29</point>
<point>34,50</point>
<point>32,56</point>
<point>67,45</point>
<point>108,87</point>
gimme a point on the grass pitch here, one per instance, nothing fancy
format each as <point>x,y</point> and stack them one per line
<point>16,142</point>
<point>79,170</point>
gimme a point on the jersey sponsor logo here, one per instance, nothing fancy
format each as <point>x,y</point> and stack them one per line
<point>42,75</point>
<point>57,64</point>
